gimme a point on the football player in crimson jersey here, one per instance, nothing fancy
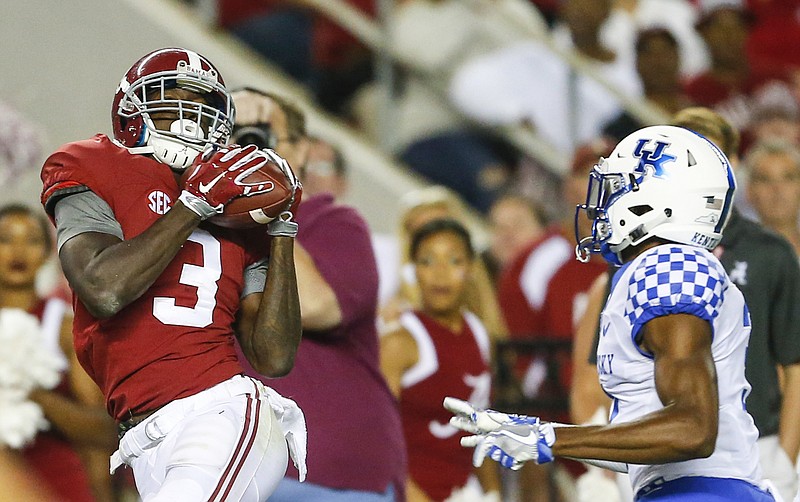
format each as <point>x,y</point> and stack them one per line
<point>159,295</point>
<point>439,349</point>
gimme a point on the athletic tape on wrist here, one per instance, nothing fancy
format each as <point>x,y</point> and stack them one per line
<point>280,227</point>
<point>197,205</point>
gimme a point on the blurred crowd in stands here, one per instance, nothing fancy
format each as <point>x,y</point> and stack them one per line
<point>465,68</point>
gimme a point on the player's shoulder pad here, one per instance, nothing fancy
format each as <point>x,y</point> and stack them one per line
<point>673,279</point>
<point>69,169</point>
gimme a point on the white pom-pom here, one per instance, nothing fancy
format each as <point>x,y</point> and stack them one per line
<point>25,365</point>
<point>20,419</point>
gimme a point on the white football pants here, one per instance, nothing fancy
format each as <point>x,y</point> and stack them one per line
<point>221,444</point>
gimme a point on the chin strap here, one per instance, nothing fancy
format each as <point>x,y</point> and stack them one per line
<point>167,149</point>
<point>173,152</point>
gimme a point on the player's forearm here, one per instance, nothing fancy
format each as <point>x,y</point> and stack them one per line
<point>668,435</point>
<point>110,276</point>
<point>319,305</point>
<point>789,428</point>
<point>272,343</point>
<point>685,428</point>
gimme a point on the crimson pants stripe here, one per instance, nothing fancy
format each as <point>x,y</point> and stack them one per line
<point>243,447</point>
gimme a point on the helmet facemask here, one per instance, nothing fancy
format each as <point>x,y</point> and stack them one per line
<point>604,190</point>
<point>195,125</point>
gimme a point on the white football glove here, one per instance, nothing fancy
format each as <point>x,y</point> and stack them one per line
<point>509,439</point>
<point>478,421</point>
<point>512,445</point>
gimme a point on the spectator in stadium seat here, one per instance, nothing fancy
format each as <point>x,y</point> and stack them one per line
<point>776,117</point>
<point>325,170</point>
<point>440,347</point>
<point>658,66</point>
<point>527,83</point>
<point>515,221</point>
<point>728,85</point>
<point>774,23</point>
<point>356,447</point>
<point>421,206</point>
<point>280,32</point>
<point>428,134</point>
<point>773,187</point>
<point>307,45</point>
<point>521,291</point>
<point>566,296</point>
<point>570,279</point>
<point>677,16</point>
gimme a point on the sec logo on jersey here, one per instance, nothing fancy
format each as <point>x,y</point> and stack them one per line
<point>159,202</point>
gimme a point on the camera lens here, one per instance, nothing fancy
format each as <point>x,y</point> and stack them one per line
<point>259,135</point>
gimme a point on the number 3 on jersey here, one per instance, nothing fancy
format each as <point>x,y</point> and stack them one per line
<point>204,278</point>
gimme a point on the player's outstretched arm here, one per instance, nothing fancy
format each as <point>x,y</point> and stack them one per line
<point>685,428</point>
<point>686,383</point>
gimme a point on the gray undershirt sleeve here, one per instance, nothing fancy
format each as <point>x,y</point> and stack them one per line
<point>255,278</point>
<point>84,212</point>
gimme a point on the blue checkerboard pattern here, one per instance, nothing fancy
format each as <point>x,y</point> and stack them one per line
<point>675,279</point>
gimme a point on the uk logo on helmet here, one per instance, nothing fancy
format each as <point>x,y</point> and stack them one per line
<point>656,158</point>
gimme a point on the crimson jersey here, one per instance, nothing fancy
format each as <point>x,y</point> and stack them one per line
<point>568,294</point>
<point>449,364</point>
<point>565,302</point>
<point>177,338</point>
<point>50,454</point>
<point>523,285</point>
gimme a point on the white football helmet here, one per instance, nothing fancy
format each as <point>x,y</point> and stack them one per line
<point>661,181</point>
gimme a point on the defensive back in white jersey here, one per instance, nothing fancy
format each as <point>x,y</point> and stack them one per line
<point>679,279</point>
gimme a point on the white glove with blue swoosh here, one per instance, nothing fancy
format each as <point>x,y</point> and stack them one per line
<point>510,440</point>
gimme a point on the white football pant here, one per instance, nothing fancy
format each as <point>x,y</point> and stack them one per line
<point>222,444</point>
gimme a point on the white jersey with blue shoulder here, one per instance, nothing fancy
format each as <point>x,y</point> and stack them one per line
<point>679,279</point>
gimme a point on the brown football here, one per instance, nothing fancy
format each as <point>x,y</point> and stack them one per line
<point>272,196</point>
